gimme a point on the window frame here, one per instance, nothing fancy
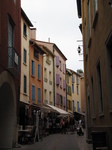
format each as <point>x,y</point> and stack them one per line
<point>24,56</point>
<point>24,30</point>
<point>99,87</point>
<point>39,95</point>
<point>36,54</point>
<point>25,84</point>
<point>33,68</point>
<point>39,72</point>
<point>33,93</point>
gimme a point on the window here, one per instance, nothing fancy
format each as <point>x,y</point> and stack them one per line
<point>45,94</point>
<point>109,68</point>
<point>63,68</point>
<point>33,92</point>
<point>10,41</point>
<point>45,72</point>
<point>57,79</point>
<point>73,79</point>
<point>67,78</point>
<point>73,106</point>
<point>68,90</point>
<point>95,7</point>
<point>57,61</point>
<point>95,12</point>
<point>24,30</point>
<point>69,105</point>
<point>15,1</point>
<point>78,109</point>
<point>25,84</point>
<point>99,88</point>
<point>24,56</point>
<point>10,33</point>
<point>36,54</point>
<point>61,100</point>
<point>77,90</point>
<point>60,82</point>
<point>49,75</point>
<point>39,95</point>
<point>89,21</point>
<point>85,35</point>
<point>50,96</point>
<point>72,88</point>
<point>93,102</point>
<point>60,65</point>
<point>64,84</point>
<point>57,98</point>
<point>39,72</point>
<point>32,68</point>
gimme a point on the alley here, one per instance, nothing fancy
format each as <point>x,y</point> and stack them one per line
<point>70,141</point>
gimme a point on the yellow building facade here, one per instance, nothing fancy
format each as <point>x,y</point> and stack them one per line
<point>97,48</point>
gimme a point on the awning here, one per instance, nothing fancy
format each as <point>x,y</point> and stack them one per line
<point>80,113</point>
<point>47,109</point>
<point>60,111</point>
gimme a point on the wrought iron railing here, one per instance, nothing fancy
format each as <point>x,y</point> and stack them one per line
<point>13,58</point>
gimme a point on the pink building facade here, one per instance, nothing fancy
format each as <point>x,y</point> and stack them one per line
<point>59,75</point>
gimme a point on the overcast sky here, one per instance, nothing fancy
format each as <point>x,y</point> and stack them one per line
<point>57,20</point>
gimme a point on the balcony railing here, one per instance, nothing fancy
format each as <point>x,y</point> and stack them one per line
<point>13,60</point>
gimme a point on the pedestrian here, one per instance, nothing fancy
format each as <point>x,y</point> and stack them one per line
<point>62,125</point>
<point>47,127</point>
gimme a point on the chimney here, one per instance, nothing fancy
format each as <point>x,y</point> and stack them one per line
<point>49,40</point>
<point>33,33</point>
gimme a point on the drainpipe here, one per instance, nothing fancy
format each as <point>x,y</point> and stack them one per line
<point>66,87</point>
<point>53,76</point>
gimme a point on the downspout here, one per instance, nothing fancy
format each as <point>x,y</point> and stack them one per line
<point>66,87</point>
<point>53,76</point>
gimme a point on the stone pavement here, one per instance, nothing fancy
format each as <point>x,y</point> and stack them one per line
<point>70,141</point>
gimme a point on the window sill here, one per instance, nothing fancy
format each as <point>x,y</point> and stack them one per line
<point>39,79</point>
<point>36,58</point>
<point>94,118</point>
<point>25,37</point>
<point>32,76</point>
<point>95,19</point>
<point>101,115</point>
<point>25,94</point>
<point>25,63</point>
<point>110,111</point>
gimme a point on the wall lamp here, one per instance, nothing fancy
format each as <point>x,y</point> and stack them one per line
<point>110,2</point>
<point>79,50</point>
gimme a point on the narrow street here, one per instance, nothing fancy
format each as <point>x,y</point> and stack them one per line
<point>70,141</point>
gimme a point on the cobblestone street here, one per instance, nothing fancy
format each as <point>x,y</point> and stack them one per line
<point>70,141</point>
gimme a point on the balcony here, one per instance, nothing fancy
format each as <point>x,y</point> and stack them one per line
<point>13,61</point>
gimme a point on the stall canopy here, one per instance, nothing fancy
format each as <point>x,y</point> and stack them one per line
<point>60,111</point>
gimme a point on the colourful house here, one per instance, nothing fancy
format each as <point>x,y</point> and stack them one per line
<point>35,75</point>
<point>10,69</point>
<point>59,75</point>
<point>69,90</point>
<point>24,85</point>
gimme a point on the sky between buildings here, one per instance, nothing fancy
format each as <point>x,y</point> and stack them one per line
<point>57,20</point>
